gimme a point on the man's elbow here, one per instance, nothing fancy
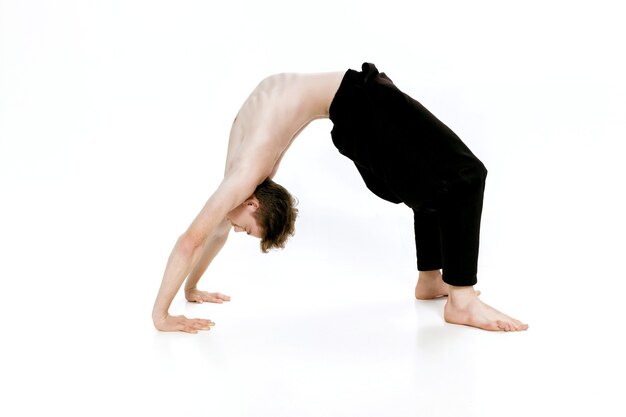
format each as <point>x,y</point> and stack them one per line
<point>189,242</point>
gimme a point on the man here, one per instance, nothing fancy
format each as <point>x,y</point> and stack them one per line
<point>403,153</point>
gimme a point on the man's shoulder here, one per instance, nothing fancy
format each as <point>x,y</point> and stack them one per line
<point>245,173</point>
<point>237,185</point>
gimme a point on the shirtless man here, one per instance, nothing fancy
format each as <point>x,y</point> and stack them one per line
<point>428,168</point>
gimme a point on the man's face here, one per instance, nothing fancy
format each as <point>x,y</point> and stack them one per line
<point>243,220</point>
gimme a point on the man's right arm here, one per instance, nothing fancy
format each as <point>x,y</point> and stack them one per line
<point>211,248</point>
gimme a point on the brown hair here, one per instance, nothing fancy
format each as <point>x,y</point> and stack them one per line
<point>276,214</point>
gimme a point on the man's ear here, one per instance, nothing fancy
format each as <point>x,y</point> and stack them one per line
<point>252,201</point>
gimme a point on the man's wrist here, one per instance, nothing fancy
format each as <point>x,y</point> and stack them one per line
<point>158,316</point>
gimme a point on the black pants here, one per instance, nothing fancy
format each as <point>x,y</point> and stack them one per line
<point>448,237</point>
<point>405,154</point>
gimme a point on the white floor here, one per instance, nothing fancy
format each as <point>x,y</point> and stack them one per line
<point>113,125</point>
<point>310,332</point>
<point>360,347</point>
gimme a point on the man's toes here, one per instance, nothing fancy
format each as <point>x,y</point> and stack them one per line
<point>517,325</point>
<point>503,325</point>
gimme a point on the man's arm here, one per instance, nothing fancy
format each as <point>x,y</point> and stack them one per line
<point>211,249</point>
<point>206,229</point>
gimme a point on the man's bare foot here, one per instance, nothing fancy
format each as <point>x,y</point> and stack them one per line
<point>464,307</point>
<point>430,285</point>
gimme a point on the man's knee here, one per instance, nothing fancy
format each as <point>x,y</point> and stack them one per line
<point>474,176</point>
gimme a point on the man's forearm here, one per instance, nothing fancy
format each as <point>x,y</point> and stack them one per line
<point>179,264</point>
<point>211,249</point>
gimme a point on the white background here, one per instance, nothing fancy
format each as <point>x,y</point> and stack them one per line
<point>114,119</point>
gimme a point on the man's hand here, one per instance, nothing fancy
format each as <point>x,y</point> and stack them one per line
<point>182,324</point>
<point>197,296</point>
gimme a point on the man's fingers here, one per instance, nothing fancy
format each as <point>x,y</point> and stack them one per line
<point>203,324</point>
<point>219,298</point>
<point>188,329</point>
<point>216,298</point>
<point>193,328</point>
<point>193,325</point>
<point>203,296</point>
<point>222,296</point>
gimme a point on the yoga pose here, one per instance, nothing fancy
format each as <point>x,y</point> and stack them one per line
<point>404,154</point>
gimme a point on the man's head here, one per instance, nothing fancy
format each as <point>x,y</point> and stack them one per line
<point>269,213</point>
<point>276,215</point>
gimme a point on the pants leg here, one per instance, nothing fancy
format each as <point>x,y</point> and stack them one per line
<point>459,223</point>
<point>427,240</point>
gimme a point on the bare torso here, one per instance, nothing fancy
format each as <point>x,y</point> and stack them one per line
<point>273,116</point>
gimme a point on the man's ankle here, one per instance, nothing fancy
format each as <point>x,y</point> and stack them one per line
<point>461,295</point>
<point>430,275</point>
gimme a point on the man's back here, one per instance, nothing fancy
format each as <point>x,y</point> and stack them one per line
<point>273,115</point>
